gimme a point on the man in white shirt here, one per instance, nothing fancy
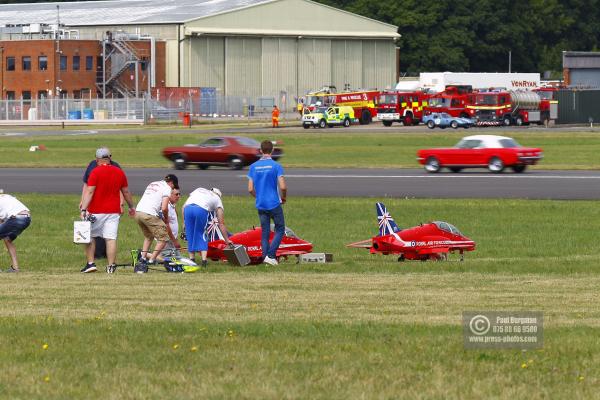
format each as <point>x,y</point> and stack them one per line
<point>195,216</point>
<point>14,219</point>
<point>151,214</point>
<point>170,249</point>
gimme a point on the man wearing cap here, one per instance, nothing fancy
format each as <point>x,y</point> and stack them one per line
<point>14,219</point>
<point>195,217</point>
<point>152,215</point>
<point>267,184</point>
<point>100,251</point>
<point>102,199</point>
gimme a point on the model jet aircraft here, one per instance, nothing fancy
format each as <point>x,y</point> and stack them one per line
<point>431,241</point>
<point>291,245</point>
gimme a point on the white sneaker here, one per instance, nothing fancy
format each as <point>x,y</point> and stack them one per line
<point>270,261</point>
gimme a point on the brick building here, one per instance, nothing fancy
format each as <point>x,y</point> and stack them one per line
<point>73,68</point>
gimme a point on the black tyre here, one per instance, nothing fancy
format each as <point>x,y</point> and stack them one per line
<point>322,123</point>
<point>519,168</point>
<point>507,121</point>
<point>408,120</point>
<point>306,126</point>
<point>235,162</point>
<point>179,162</point>
<point>346,123</point>
<point>454,125</point>
<point>430,124</point>
<point>519,121</point>
<point>432,165</point>
<point>365,117</point>
<point>387,123</point>
<point>496,165</point>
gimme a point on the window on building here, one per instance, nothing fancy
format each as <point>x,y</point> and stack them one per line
<point>42,94</point>
<point>42,63</point>
<point>76,94</point>
<point>26,95</point>
<point>26,63</point>
<point>89,63</point>
<point>63,94</point>
<point>76,60</point>
<point>144,63</point>
<point>99,64</point>
<point>10,95</point>
<point>63,63</point>
<point>10,63</point>
<point>85,93</point>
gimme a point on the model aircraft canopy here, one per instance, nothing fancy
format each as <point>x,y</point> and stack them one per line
<point>447,227</point>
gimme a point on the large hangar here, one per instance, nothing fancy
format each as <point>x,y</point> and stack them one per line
<point>251,48</point>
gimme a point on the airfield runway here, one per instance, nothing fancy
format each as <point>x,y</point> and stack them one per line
<point>375,183</point>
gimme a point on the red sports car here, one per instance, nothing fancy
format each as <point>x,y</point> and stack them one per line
<point>487,151</point>
<point>234,152</point>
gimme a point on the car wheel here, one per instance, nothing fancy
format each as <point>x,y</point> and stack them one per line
<point>496,165</point>
<point>235,162</point>
<point>506,120</point>
<point>454,125</point>
<point>322,123</point>
<point>387,123</point>
<point>306,126</point>
<point>432,165</point>
<point>203,166</point>
<point>519,168</point>
<point>455,169</point>
<point>178,161</point>
<point>408,119</point>
<point>430,124</point>
<point>519,121</point>
<point>346,123</point>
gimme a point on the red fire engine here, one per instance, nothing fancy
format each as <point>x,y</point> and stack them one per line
<point>454,101</point>
<point>362,101</point>
<point>404,107</point>
<point>513,107</point>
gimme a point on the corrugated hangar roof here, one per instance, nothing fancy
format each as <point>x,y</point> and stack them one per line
<point>127,12</point>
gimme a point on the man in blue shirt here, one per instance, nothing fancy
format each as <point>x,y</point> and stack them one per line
<point>267,184</point>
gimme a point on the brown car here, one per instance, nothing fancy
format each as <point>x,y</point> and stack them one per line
<point>234,152</point>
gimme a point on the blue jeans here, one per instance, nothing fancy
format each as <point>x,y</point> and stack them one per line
<point>12,227</point>
<point>265,216</point>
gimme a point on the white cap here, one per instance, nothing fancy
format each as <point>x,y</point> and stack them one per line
<point>217,191</point>
<point>103,152</point>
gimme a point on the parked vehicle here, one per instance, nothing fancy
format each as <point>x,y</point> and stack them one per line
<point>362,101</point>
<point>401,107</point>
<point>454,101</point>
<point>512,108</point>
<point>234,152</point>
<point>483,151</point>
<point>329,116</point>
<point>445,120</point>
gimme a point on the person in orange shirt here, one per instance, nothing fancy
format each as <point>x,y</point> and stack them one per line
<point>275,117</point>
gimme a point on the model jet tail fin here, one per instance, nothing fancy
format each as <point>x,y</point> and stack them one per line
<point>387,225</point>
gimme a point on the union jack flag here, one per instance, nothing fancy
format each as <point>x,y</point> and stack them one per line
<point>212,229</point>
<point>387,225</point>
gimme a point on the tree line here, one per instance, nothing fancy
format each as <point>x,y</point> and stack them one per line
<point>477,35</point>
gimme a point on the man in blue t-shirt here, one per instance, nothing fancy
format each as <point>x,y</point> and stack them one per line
<point>267,184</point>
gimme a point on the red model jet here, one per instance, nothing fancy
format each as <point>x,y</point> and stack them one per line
<point>291,245</point>
<point>431,241</point>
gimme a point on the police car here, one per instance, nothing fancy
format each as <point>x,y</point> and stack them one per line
<point>329,116</point>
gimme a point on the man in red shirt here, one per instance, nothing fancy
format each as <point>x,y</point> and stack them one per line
<point>102,199</point>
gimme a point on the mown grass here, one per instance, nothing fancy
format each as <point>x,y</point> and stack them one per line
<point>362,327</point>
<point>331,148</point>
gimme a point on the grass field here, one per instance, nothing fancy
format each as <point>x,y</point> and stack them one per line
<point>363,326</point>
<point>329,148</point>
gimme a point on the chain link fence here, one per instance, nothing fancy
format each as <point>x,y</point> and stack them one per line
<point>143,110</point>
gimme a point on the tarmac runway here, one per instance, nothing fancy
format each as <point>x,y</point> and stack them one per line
<point>374,183</point>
